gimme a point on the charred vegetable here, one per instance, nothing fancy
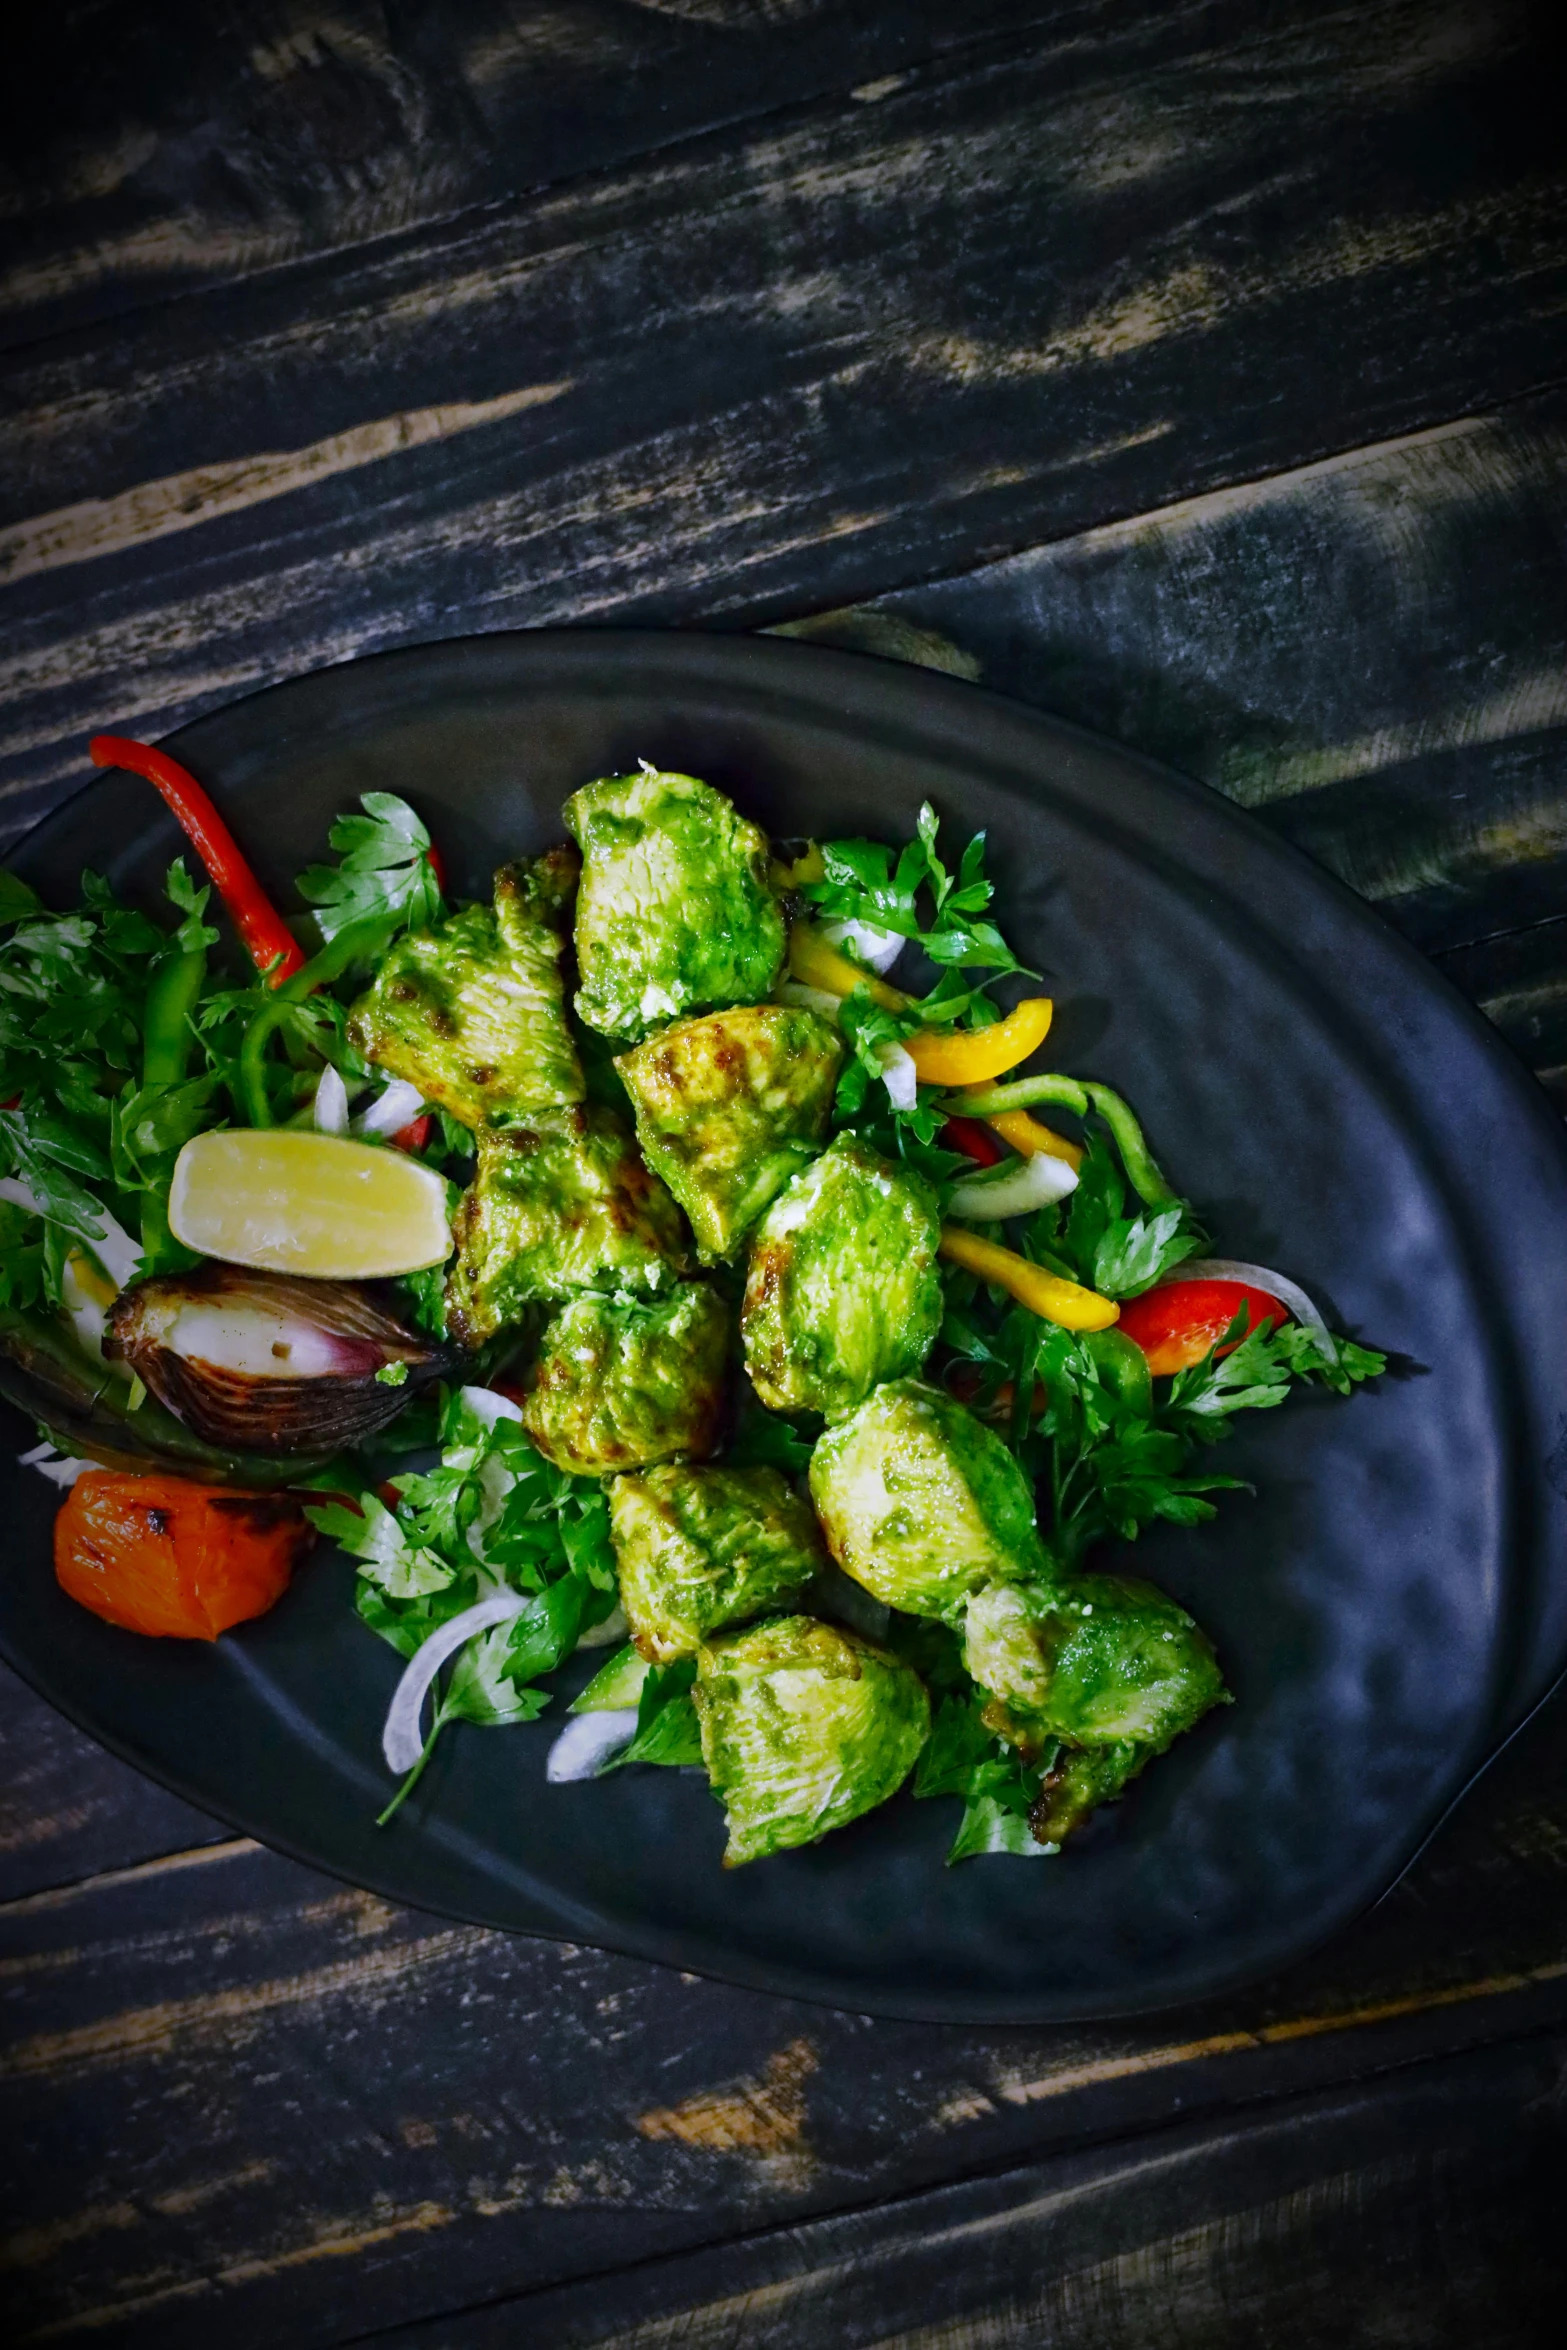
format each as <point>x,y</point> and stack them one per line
<point>473,1010</point>
<point>922,1504</point>
<point>85,1409</point>
<point>675,912</point>
<point>804,1727</point>
<point>559,1204</point>
<point>620,1383</point>
<point>729,1107</point>
<point>181,1561</point>
<point>266,1363</point>
<point>701,1548</point>
<point>842,1291</point>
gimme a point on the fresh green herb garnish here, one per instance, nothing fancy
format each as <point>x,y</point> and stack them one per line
<point>491,1516</point>
<point>384,869</point>
<point>914,894</point>
<point>667,1730</point>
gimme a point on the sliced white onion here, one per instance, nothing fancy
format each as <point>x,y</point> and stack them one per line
<point>116,1252</point>
<point>87,1294</point>
<point>330,1115</point>
<point>899,1075</point>
<point>1289,1293</point>
<point>879,948</point>
<point>1015,1191</point>
<point>587,1743</point>
<point>489,1405</point>
<point>61,1468</point>
<point>394,1107</point>
<point>400,1740</point>
<point>810,999</point>
<point>610,1633</point>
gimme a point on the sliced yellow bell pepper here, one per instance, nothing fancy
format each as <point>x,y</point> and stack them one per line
<point>814,963</point>
<point>971,1055</point>
<point>1035,1140</point>
<point>1045,1294</point>
<point>809,865</point>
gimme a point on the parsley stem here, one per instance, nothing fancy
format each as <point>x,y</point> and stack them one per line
<point>414,1776</point>
<point>359,941</point>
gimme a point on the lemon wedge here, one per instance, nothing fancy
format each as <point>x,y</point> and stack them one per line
<point>286,1200</point>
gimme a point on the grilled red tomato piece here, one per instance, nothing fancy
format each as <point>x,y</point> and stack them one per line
<point>159,1555</point>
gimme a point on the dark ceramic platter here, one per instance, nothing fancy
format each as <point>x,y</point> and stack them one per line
<point>1388,1607</point>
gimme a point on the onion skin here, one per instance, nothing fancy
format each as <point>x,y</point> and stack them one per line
<point>265,1413</point>
<point>175,1561</point>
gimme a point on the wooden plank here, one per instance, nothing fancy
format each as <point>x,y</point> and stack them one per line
<point>291,132</point>
<point>1426,2210</point>
<point>1008,301</point>
<point>240,2098</point>
<point>1366,651</point>
<point>69,1810</point>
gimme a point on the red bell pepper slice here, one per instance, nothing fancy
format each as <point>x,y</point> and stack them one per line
<point>976,1142</point>
<point>1178,1324</point>
<point>268,940</point>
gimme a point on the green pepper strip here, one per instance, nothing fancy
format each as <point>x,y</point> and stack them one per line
<point>357,941</point>
<point>1068,1093</point>
<point>165,1057</point>
<point>166,1030</point>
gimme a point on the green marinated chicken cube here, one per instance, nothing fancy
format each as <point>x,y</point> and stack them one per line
<point>1082,1778</point>
<point>675,913</point>
<point>1095,1660</point>
<point>804,1727</point>
<point>842,1292</point>
<point>473,1010</point>
<point>700,1548</point>
<point>922,1504</point>
<point>560,1204</point>
<point>729,1107</point>
<point>623,1381</point>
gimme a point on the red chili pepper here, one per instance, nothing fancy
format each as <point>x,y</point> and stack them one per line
<point>976,1142</point>
<point>414,1135</point>
<point>269,942</point>
<point>437,865</point>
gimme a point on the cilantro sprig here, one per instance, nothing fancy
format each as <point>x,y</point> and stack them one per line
<point>491,1515</point>
<point>914,893</point>
<point>384,868</point>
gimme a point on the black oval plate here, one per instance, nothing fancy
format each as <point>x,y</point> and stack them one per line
<point>1387,1608</point>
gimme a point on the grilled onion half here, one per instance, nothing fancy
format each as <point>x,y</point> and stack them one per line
<point>269,1362</point>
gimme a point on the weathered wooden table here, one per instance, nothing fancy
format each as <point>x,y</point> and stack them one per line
<point>1194,368</point>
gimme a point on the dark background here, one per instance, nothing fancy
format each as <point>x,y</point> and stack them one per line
<point>1198,371</point>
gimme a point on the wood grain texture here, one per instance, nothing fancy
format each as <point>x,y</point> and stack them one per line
<point>299,126</point>
<point>236,2097</point>
<point>1421,2212</point>
<point>1021,294</point>
<point>1367,652</point>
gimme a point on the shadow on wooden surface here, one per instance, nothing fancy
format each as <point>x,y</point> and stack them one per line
<point>1423,2211</point>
